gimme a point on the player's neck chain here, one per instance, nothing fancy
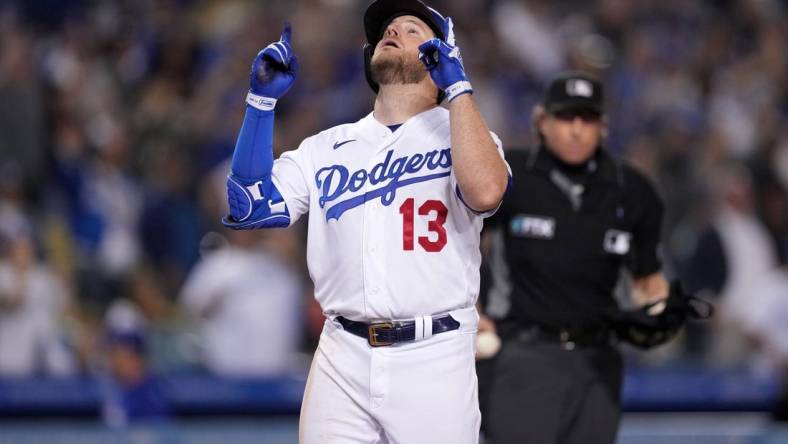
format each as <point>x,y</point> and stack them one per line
<point>334,181</point>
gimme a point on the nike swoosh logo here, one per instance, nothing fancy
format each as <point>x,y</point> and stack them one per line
<point>339,144</point>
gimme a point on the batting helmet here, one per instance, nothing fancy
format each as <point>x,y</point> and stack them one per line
<point>381,12</point>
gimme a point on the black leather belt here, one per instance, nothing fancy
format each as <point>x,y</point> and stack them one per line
<point>569,338</point>
<point>387,333</point>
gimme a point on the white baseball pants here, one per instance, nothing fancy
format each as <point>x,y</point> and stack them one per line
<point>408,393</point>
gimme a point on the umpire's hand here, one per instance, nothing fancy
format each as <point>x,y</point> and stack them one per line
<point>651,290</point>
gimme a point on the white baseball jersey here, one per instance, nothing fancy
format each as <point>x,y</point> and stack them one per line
<point>389,236</point>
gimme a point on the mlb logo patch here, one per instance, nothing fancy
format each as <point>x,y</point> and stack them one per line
<point>537,227</point>
<point>617,242</point>
<point>579,87</point>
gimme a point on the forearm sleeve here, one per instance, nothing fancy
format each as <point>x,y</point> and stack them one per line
<point>253,199</point>
<point>253,157</point>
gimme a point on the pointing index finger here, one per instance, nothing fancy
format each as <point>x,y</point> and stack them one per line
<point>287,32</point>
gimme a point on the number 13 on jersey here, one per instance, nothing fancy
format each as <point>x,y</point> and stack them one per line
<point>435,212</point>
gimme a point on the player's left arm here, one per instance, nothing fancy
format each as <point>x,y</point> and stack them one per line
<point>254,199</point>
<point>649,283</point>
<point>481,172</point>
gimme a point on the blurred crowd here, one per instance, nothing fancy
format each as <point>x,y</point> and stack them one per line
<point>118,119</point>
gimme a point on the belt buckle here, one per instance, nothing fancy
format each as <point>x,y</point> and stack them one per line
<point>372,334</point>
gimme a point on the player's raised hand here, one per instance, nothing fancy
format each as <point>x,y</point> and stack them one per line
<point>444,63</point>
<point>273,70</point>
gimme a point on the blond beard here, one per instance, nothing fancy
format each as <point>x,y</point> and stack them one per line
<point>397,70</point>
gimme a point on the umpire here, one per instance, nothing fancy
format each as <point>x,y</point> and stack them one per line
<point>575,215</point>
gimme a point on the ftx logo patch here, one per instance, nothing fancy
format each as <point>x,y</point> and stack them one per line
<point>537,227</point>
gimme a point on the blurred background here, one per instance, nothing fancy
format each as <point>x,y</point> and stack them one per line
<point>123,313</point>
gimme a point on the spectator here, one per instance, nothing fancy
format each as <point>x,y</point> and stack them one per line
<point>767,325</point>
<point>133,393</point>
<point>32,303</point>
<point>103,205</point>
<point>248,303</point>
<point>171,342</point>
<point>732,255</point>
<point>22,122</point>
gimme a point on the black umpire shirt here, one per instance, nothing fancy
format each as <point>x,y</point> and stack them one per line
<point>563,234</point>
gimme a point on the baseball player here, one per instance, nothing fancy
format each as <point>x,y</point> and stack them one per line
<point>396,202</point>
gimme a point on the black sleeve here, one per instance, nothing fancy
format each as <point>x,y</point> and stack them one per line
<point>647,210</point>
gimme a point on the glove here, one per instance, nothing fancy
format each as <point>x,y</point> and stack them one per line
<point>273,72</point>
<point>444,63</point>
<point>643,329</point>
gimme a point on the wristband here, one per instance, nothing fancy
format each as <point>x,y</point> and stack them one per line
<point>461,87</point>
<point>260,102</point>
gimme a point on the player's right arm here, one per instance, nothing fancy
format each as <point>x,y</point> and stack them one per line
<point>253,198</point>
<point>478,165</point>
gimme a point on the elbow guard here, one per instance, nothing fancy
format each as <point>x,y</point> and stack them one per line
<point>255,204</point>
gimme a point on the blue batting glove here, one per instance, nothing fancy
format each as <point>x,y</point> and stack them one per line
<point>444,63</point>
<point>273,72</point>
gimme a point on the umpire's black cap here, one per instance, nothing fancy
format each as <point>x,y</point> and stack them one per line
<point>381,12</point>
<point>573,90</point>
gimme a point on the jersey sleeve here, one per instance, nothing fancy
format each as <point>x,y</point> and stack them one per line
<point>647,227</point>
<point>455,185</point>
<point>290,176</point>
